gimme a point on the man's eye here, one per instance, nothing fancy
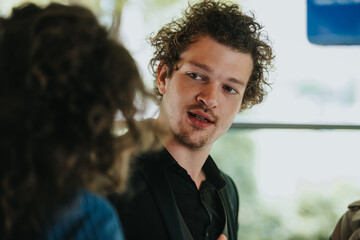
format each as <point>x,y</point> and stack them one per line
<point>229,89</point>
<point>195,76</point>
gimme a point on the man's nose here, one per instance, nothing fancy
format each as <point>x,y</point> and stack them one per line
<point>208,95</point>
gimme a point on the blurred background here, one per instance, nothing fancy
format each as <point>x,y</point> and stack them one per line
<point>295,157</point>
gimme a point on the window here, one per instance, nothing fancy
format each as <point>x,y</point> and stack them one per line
<point>294,158</point>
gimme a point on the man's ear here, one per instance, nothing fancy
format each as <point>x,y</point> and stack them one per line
<point>162,73</point>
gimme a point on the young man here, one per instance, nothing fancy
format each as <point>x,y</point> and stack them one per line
<point>208,65</point>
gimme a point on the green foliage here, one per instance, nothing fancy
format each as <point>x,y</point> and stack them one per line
<point>234,154</point>
<point>311,215</point>
<point>119,5</point>
<point>325,95</point>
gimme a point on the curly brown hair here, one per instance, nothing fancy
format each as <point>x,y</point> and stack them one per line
<point>62,81</point>
<point>228,25</point>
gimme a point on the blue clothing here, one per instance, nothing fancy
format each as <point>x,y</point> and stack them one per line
<point>88,216</point>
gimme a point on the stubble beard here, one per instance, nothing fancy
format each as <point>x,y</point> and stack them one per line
<point>184,137</point>
<point>186,140</point>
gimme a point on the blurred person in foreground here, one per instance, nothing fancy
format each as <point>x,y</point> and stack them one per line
<point>208,66</point>
<point>62,81</point>
<point>348,227</point>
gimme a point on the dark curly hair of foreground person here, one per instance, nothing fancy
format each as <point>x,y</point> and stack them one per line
<point>228,25</point>
<point>62,81</point>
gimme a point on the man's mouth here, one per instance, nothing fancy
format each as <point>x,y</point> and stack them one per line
<point>201,118</point>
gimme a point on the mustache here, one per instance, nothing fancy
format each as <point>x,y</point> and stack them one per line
<point>202,107</point>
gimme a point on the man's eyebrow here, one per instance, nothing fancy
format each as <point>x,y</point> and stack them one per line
<point>237,81</point>
<point>209,69</point>
<point>202,66</point>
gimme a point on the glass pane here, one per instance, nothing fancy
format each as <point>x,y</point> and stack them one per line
<point>293,184</point>
<point>311,83</point>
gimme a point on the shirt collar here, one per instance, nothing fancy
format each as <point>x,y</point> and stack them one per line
<point>210,169</point>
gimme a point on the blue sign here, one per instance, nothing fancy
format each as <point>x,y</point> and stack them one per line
<point>333,22</point>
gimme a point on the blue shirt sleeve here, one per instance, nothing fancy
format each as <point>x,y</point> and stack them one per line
<point>87,217</point>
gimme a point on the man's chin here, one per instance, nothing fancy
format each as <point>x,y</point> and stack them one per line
<point>190,142</point>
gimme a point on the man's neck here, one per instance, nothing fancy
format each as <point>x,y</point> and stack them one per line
<point>191,159</point>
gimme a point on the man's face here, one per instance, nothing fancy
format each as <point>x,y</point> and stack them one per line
<point>204,93</point>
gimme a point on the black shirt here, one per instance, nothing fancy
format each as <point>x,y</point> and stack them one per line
<point>201,209</point>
